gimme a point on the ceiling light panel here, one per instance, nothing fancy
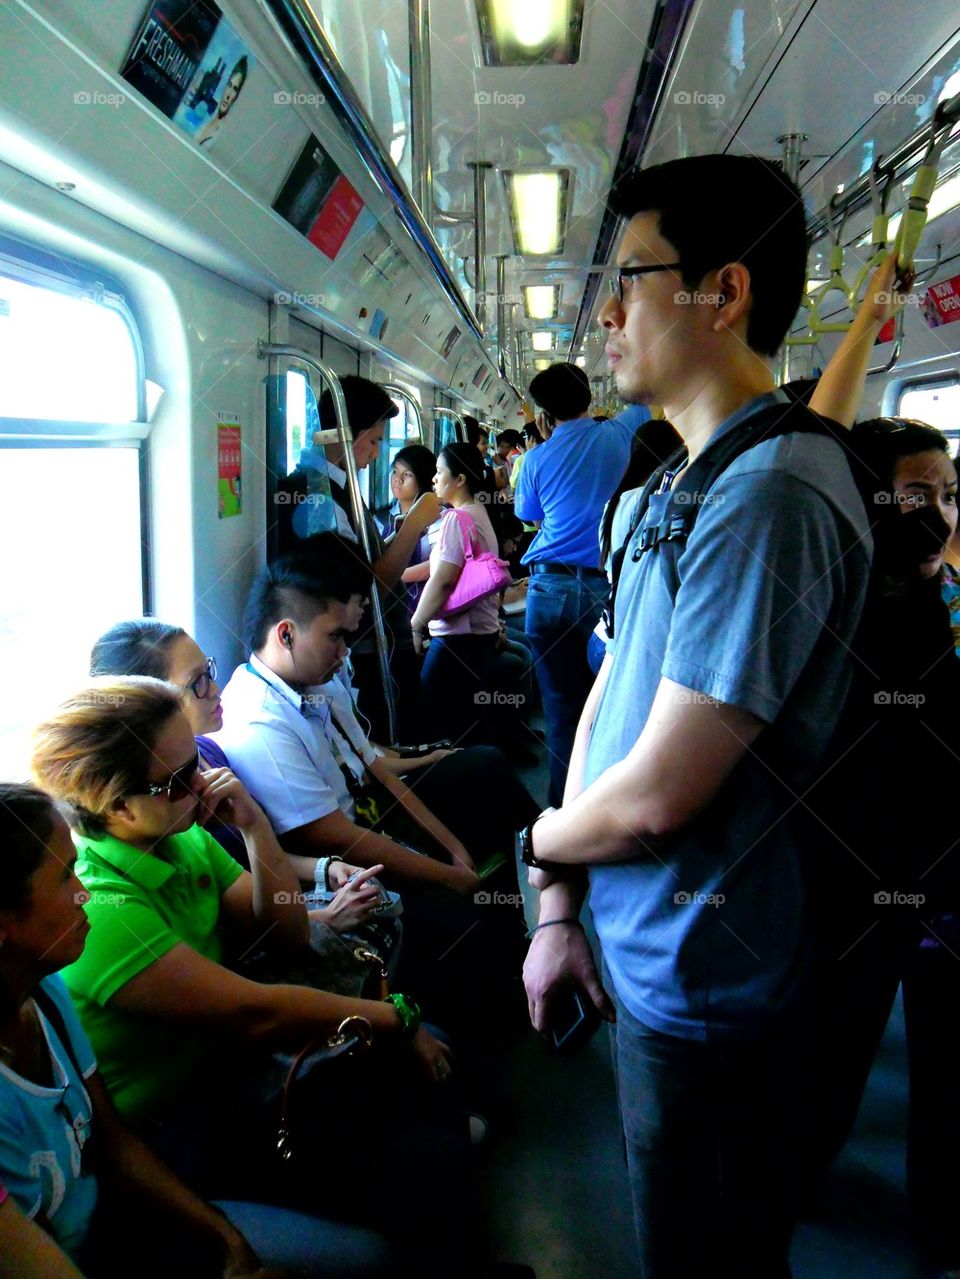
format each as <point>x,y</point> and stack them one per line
<point>542,340</point>
<point>538,207</point>
<point>541,301</point>
<point>523,33</point>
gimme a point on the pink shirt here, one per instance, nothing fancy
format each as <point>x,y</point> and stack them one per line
<point>484,617</point>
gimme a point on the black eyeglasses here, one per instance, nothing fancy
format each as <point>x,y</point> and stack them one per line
<point>628,273</point>
<point>200,686</point>
<point>179,784</point>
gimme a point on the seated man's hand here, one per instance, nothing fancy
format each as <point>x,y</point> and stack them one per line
<point>462,879</point>
<point>425,510</point>
<point>353,905</point>
<point>560,958</point>
<point>338,873</point>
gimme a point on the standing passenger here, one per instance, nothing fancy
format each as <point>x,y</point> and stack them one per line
<point>563,487</point>
<point>710,716</point>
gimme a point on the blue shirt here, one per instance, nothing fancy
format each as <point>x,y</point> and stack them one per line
<point>706,936</point>
<point>565,483</point>
<point>43,1131</point>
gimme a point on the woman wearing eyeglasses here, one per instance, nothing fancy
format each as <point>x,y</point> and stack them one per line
<point>145,646</point>
<point>80,1184</point>
<point>182,1040</point>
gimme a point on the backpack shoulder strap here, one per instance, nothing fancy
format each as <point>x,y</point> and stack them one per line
<point>48,1007</point>
<point>670,536</point>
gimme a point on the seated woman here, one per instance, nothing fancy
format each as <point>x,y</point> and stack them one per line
<point>145,646</point>
<point>182,1041</point>
<point>77,1177</point>
<point>456,674</point>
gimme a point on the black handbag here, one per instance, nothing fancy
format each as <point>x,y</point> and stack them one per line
<point>334,1055</point>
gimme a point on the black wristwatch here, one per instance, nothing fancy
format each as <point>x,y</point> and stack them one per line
<point>526,844</point>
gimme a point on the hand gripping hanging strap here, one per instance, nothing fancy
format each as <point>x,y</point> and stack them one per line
<point>669,536</point>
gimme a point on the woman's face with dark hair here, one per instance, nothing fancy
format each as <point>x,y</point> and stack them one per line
<point>49,931</point>
<point>403,482</point>
<point>927,482</point>
<point>186,666</point>
<point>445,484</point>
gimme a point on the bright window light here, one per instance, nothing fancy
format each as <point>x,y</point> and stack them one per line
<point>939,405</point>
<point>951,88</point>
<point>521,32</point>
<point>64,357</point>
<point>945,197</point>
<point>83,552</point>
<point>540,365</point>
<point>537,203</point>
<point>542,340</point>
<point>540,301</point>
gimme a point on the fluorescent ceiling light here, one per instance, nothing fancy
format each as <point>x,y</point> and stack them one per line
<point>537,209</point>
<point>525,32</point>
<point>542,340</point>
<point>540,365</point>
<point>540,301</point>
<point>581,361</point>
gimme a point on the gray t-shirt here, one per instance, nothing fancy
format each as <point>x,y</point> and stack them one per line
<point>706,936</point>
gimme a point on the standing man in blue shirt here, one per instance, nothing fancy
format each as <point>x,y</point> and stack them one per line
<point>707,723</point>
<point>563,488</point>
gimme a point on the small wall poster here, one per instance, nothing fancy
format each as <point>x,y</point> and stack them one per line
<point>229,496</point>
<point>318,200</point>
<point>941,303</point>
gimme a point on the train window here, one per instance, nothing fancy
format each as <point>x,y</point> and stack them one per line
<point>935,402</point>
<point>72,404</point>
<point>73,515</point>
<point>65,356</point>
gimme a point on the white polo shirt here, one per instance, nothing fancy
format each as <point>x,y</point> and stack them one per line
<point>284,746</point>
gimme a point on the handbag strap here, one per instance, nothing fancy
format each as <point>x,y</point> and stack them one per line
<point>471,536</point>
<point>353,1033</point>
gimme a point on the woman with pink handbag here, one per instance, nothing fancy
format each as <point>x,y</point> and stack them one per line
<point>459,605</point>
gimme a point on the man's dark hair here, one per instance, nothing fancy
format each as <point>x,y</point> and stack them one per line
<point>562,391</point>
<point>474,429</point>
<point>138,647</point>
<point>716,209</point>
<point>511,437</point>
<point>367,404</point>
<point>421,462</point>
<point>301,585</point>
<point>532,433</point>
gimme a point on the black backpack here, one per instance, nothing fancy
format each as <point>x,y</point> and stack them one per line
<point>669,537</point>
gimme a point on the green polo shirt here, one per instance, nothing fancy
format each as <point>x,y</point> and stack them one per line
<point>141,906</point>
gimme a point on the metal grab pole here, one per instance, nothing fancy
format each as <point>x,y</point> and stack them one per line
<point>480,239</point>
<point>400,392</point>
<point>266,350</point>
<point>421,108</point>
<point>457,421</point>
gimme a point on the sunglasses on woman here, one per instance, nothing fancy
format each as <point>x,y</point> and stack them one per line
<point>179,784</point>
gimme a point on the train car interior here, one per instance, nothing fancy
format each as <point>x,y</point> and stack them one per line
<point>212,212</point>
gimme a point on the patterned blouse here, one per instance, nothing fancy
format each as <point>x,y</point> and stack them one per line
<point>950,588</point>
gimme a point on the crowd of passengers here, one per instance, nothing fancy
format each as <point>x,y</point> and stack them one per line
<point>205,881</point>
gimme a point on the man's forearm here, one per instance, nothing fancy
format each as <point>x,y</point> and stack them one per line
<point>578,756</point>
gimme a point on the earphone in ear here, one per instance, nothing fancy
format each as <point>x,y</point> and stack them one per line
<point>288,639</point>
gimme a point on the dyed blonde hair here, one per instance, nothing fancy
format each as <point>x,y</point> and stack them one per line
<point>98,745</point>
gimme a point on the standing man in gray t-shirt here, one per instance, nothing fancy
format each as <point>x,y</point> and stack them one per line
<point>706,724</point>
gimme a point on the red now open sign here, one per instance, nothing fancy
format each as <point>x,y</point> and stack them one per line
<point>941,303</point>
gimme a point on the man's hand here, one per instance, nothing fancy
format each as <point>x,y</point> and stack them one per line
<point>421,636</point>
<point>560,958</point>
<point>887,290</point>
<point>354,903</point>
<point>462,879</point>
<point>425,510</point>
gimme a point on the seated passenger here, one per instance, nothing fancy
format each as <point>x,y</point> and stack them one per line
<point>146,646</point>
<point>55,1112</point>
<point>184,1043</point>
<point>456,676</point>
<point>290,730</point>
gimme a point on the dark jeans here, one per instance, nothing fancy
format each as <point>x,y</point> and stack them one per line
<point>562,611</point>
<point>456,684</point>
<point>854,997</point>
<point>710,1133</point>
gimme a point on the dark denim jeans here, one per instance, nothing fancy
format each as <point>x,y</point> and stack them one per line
<point>711,1133</point>
<point>562,611</point>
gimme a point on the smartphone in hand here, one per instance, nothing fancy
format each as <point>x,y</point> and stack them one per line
<point>575,1021</point>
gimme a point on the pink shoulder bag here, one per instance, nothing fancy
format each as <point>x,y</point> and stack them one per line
<point>483,573</point>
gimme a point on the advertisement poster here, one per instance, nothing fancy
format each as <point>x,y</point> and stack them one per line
<point>941,303</point>
<point>188,62</point>
<point>229,497</point>
<point>318,200</point>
